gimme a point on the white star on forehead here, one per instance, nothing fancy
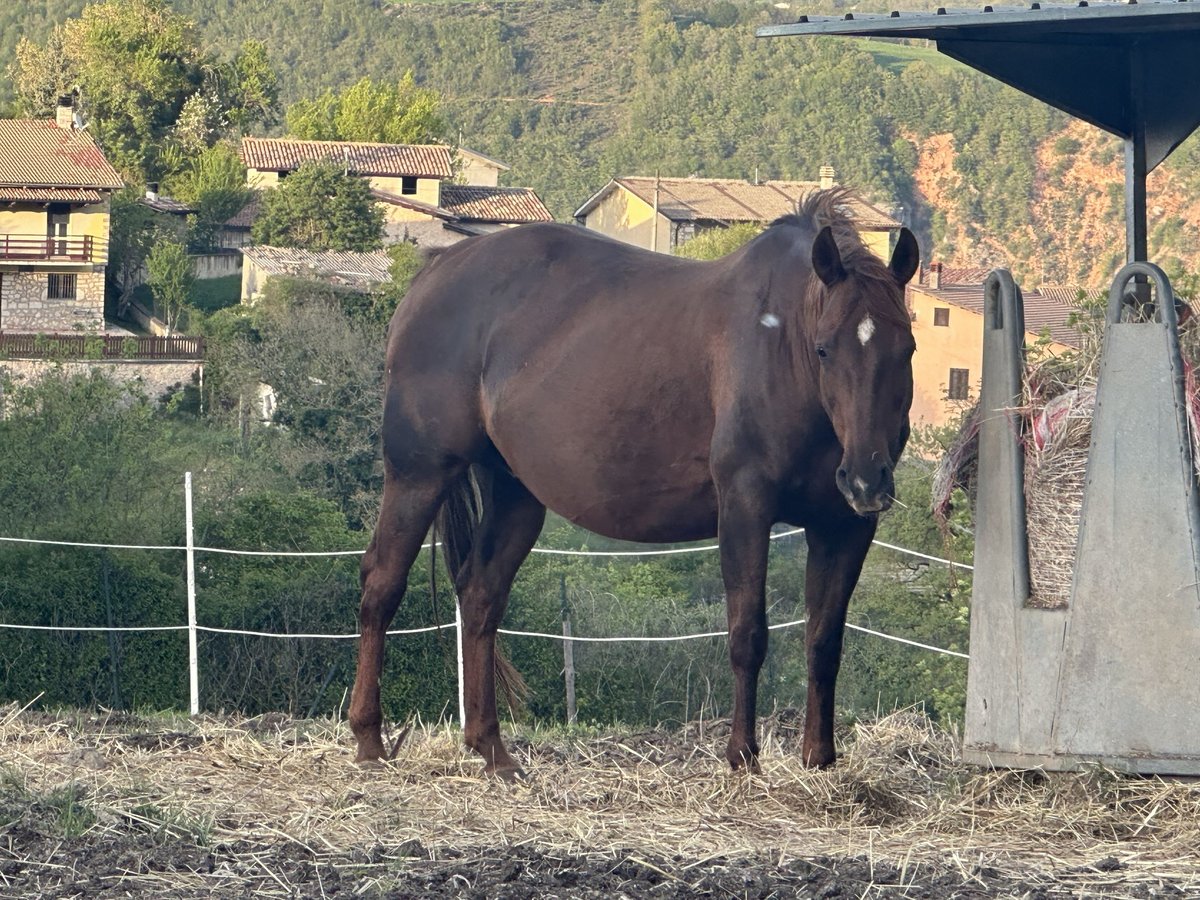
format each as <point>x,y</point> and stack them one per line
<point>770,320</point>
<point>866,328</point>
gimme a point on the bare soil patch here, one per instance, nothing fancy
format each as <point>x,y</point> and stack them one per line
<point>119,805</point>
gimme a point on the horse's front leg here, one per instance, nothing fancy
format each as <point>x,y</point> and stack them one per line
<point>835,559</point>
<point>744,537</point>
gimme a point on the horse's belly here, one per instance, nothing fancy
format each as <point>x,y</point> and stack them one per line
<point>650,483</point>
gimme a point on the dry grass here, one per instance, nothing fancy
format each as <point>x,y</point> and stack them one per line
<point>899,796</point>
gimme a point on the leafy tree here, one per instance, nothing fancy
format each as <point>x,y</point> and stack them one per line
<point>385,112</point>
<point>170,279</point>
<point>718,242</point>
<point>319,207</point>
<point>133,232</point>
<point>215,185</point>
<point>150,91</point>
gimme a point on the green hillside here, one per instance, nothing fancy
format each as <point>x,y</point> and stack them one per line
<point>572,92</point>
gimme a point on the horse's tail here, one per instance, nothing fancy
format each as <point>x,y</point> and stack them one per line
<point>457,521</point>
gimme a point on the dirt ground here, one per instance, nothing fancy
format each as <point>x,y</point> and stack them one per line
<point>119,805</point>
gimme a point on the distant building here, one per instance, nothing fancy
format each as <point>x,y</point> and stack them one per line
<point>415,183</point>
<point>339,268</point>
<point>55,193</point>
<point>947,306</point>
<point>664,213</point>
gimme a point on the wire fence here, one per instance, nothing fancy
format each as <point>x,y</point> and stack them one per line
<point>193,628</point>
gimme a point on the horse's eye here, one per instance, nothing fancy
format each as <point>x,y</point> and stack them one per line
<point>822,352</point>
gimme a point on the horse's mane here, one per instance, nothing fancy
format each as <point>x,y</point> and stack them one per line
<point>831,207</point>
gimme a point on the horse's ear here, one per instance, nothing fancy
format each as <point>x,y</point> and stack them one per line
<point>905,258</point>
<point>827,259</point>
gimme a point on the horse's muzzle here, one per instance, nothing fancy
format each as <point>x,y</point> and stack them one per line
<point>868,489</point>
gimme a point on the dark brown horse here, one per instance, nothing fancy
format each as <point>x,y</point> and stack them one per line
<point>646,398</point>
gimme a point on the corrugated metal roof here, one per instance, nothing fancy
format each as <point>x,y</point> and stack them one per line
<point>730,200</point>
<point>340,266</point>
<point>49,195</point>
<point>395,160</point>
<point>476,203</point>
<point>37,153</point>
<point>166,205</point>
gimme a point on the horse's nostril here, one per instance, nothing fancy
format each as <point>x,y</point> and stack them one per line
<point>841,474</point>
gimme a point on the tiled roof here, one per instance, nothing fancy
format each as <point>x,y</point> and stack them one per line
<point>338,266</point>
<point>410,203</point>
<point>36,153</point>
<point>395,160</point>
<point>248,213</point>
<point>730,200</point>
<point>49,195</point>
<point>475,203</point>
<point>1042,310</point>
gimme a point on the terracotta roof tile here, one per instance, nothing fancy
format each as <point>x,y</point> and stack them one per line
<point>49,195</point>
<point>248,213</point>
<point>731,200</point>
<point>36,153</point>
<point>475,203</point>
<point>395,160</point>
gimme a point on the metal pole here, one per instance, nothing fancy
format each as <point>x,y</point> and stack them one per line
<point>193,665</point>
<point>568,651</point>
<point>462,698</point>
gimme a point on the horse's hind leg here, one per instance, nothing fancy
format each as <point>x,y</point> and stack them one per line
<point>512,521</point>
<point>407,510</point>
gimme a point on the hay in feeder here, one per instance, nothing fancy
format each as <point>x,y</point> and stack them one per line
<point>1053,417</point>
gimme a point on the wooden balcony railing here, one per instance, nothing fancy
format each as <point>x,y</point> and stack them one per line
<point>50,249</point>
<point>27,345</point>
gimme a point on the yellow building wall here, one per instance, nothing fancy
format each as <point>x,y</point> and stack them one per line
<point>475,171</point>
<point>627,218</point>
<point>940,348</point>
<point>257,179</point>
<point>429,190</point>
<point>84,221</point>
<point>879,243</point>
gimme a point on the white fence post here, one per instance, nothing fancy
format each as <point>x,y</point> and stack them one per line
<point>462,699</point>
<point>193,664</point>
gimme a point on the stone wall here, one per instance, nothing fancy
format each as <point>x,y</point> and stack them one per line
<point>25,307</point>
<point>154,378</point>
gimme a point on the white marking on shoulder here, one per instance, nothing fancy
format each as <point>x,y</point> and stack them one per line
<point>866,328</point>
<point>769,320</point>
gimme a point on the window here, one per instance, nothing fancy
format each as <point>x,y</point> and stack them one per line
<point>60,287</point>
<point>960,384</point>
<point>941,316</point>
<point>408,184</point>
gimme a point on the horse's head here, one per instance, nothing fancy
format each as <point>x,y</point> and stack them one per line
<point>864,346</point>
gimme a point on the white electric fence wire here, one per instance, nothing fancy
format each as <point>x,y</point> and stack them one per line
<point>545,550</point>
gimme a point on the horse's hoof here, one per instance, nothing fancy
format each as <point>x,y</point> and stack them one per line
<point>512,774</point>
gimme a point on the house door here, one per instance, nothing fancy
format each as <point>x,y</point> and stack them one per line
<point>56,231</point>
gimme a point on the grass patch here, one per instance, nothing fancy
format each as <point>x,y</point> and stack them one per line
<point>65,811</point>
<point>212,294</point>
<point>897,57</point>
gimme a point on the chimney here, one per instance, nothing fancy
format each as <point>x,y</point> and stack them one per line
<point>935,275</point>
<point>151,190</point>
<point>827,174</point>
<point>64,114</point>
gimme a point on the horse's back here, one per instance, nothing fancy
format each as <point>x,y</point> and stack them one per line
<point>582,361</point>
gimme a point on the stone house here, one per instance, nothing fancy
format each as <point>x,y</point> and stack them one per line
<point>55,192</point>
<point>420,186</point>
<point>663,213</point>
